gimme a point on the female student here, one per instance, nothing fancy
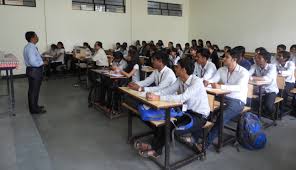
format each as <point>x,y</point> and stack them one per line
<point>179,49</point>
<point>200,43</point>
<point>226,50</point>
<point>60,56</point>
<point>286,68</point>
<point>204,69</point>
<point>174,58</point>
<point>208,44</point>
<point>186,49</point>
<point>214,56</point>
<point>117,47</point>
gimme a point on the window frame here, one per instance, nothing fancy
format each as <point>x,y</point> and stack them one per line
<point>168,10</point>
<point>95,4</point>
<point>4,3</point>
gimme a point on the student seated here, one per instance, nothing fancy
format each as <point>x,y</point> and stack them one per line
<point>186,50</point>
<point>279,48</point>
<point>87,46</point>
<point>142,50</point>
<point>204,69</point>
<point>117,47</point>
<point>286,68</point>
<point>188,90</point>
<point>100,56</point>
<point>130,71</point>
<point>208,44</point>
<point>47,61</point>
<point>264,71</point>
<point>133,67</point>
<point>193,43</point>
<point>123,49</point>
<point>242,61</point>
<point>118,61</point>
<point>226,50</point>
<point>170,45</point>
<point>234,78</point>
<point>214,56</point>
<point>179,50</point>
<point>59,58</point>
<point>162,77</point>
<point>200,43</point>
<point>174,58</point>
<point>293,53</point>
<point>138,45</point>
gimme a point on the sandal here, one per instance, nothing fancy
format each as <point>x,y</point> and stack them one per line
<point>198,147</point>
<point>149,154</point>
<point>187,139</point>
<point>138,145</point>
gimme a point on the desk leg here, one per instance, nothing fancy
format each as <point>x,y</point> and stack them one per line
<point>167,139</point>
<point>12,92</point>
<point>221,124</point>
<point>79,72</point>
<point>260,102</point>
<point>9,91</point>
<point>129,127</point>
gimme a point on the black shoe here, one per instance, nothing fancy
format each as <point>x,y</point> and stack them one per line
<point>41,107</point>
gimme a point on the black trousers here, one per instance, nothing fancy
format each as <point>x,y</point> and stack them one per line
<point>158,141</point>
<point>267,103</point>
<point>35,75</point>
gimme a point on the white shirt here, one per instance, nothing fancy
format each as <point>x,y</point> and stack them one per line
<point>206,72</point>
<point>101,58</point>
<point>180,52</point>
<point>162,79</point>
<point>60,55</point>
<point>136,75</point>
<point>293,58</point>
<point>236,82</point>
<point>192,93</point>
<point>174,60</point>
<point>273,59</point>
<point>122,64</point>
<point>269,73</point>
<point>287,70</point>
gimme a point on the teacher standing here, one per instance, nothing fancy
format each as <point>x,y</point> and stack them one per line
<point>34,72</point>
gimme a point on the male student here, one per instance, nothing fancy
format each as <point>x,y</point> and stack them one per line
<point>162,77</point>
<point>263,70</point>
<point>34,72</point>
<point>279,48</point>
<point>100,56</point>
<point>189,90</point>
<point>242,61</point>
<point>286,68</point>
<point>293,53</point>
<point>204,69</point>
<point>234,78</point>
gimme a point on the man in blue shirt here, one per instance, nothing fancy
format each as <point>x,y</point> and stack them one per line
<point>34,72</point>
<point>242,61</point>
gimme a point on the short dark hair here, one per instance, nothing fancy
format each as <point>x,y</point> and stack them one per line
<point>260,49</point>
<point>174,50</point>
<point>282,46</point>
<point>161,56</point>
<point>29,35</point>
<point>266,55</point>
<point>293,46</point>
<point>118,55</point>
<point>235,53</point>
<point>242,50</point>
<point>61,44</point>
<point>227,48</point>
<point>204,53</point>
<point>286,55</point>
<point>99,44</point>
<point>188,64</point>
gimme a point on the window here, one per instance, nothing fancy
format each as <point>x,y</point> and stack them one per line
<point>166,9</point>
<point>117,6</point>
<point>29,3</point>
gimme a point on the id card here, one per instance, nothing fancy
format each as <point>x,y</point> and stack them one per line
<point>184,107</point>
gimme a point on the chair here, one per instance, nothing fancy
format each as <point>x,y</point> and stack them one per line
<point>280,80</point>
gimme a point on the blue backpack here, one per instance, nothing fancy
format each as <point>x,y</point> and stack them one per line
<point>249,133</point>
<point>149,114</point>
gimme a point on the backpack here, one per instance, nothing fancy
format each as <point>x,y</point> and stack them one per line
<point>249,132</point>
<point>149,114</point>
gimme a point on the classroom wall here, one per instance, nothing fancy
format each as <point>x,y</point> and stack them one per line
<point>250,23</point>
<point>54,20</point>
<point>15,21</point>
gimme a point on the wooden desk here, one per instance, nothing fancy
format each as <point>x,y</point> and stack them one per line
<point>259,84</point>
<point>222,94</point>
<point>105,74</point>
<point>10,90</point>
<point>156,105</point>
<point>146,70</point>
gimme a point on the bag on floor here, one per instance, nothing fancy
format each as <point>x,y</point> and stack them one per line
<point>149,114</point>
<point>250,134</point>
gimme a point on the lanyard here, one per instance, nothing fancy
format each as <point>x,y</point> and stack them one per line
<point>159,80</point>
<point>202,72</point>
<point>229,74</point>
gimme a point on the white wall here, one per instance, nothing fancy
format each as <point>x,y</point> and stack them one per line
<point>15,21</point>
<point>251,23</point>
<point>54,20</point>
